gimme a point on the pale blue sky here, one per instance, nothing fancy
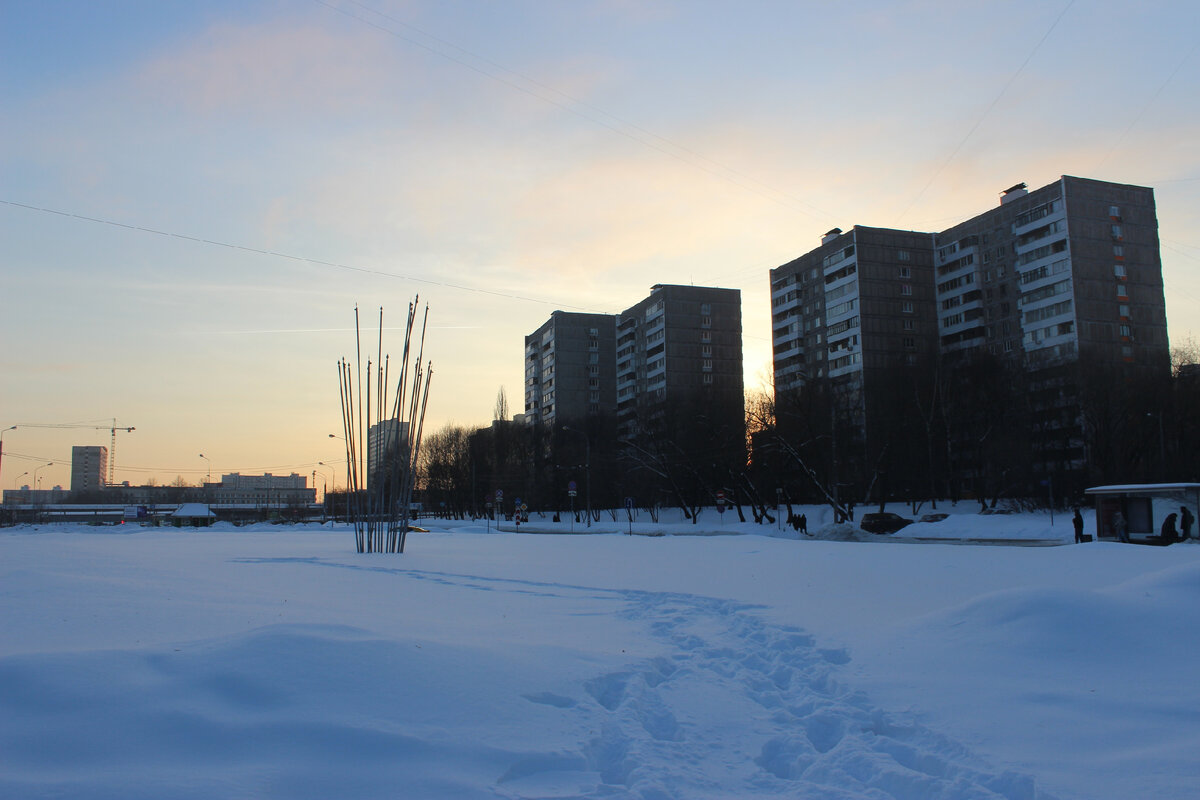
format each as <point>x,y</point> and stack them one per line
<point>503,160</point>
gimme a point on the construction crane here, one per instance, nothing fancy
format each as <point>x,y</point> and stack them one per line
<point>112,448</point>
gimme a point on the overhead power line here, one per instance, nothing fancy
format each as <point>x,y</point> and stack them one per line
<point>289,256</point>
<point>1003,90</point>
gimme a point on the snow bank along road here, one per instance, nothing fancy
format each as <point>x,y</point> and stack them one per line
<point>168,664</point>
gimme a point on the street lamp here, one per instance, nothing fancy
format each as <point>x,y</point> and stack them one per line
<point>35,472</point>
<point>332,474</point>
<point>208,478</point>
<point>18,478</point>
<point>587,470</point>
<point>6,430</point>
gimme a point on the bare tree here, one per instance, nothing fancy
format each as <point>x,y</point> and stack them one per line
<point>500,410</point>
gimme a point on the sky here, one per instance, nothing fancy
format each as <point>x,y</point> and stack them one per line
<point>194,197</point>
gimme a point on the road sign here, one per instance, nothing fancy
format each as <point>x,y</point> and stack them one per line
<point>499,495</point>
<point>720,502</point>
<point>629,502</point>
<point>571,486</point>
<point>524,507</point>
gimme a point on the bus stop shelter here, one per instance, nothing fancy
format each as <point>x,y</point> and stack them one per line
<point>1145,507</point>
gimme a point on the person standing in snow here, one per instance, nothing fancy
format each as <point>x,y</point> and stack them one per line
<point>1168,532</point>
<point>1118,522</point>
<point>1185,522</point>
<point>1077,521</point>
<point>803,527</point>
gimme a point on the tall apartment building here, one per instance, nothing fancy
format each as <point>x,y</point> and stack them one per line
<point>1070,268</point>
<point>384,440</point>
<point>1063,276</point>
<point>680,347</point>
<point>89,468</point>
<point>570,368</point>
<point>1067,274</point>
<point>861,302</point>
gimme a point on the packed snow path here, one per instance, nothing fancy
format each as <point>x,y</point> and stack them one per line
<point>662,728</point>
<point>727,705</point>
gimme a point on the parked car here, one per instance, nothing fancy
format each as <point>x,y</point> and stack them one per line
<point>885,522</point>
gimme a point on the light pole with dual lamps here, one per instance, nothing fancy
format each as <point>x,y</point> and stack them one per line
<point>35,473</point>
<point>325,488</point>
<point>208,477</point>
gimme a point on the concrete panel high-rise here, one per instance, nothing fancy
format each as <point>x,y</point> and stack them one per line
<point>681,347</point>
<point>570,368</point>
<point>1059,285</point>
<point>89,468</point>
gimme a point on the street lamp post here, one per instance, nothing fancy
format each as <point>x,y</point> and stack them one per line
<point>587,470</point>
<point>35,473</point>
<point>208,477</point>
<point>325,489</point>
<point>18,478</point>
<point>2,432</point>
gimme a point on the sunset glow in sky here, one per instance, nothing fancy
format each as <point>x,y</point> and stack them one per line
<point>195,196</point>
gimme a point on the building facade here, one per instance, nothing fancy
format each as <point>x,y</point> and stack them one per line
<point>570,368</point>
<point>89,466</point>
<point>1049,288</point>
<point>680,347</point>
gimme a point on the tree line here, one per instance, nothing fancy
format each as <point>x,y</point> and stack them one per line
<point>980,429</point>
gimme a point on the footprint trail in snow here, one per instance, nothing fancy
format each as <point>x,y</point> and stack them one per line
<point>737,707</point>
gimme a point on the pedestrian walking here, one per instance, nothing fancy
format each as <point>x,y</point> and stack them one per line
<point>1077,521</point>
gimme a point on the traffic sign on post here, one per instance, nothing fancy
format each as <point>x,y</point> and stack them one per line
<point>720,502</point>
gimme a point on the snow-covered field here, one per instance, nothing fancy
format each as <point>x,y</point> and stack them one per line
<point>270,661</point>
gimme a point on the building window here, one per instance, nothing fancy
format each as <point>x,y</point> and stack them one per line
<point>706,322</point>
<point>905,272</point>
<point>907,307</point>
<point>1118,251</point>
<point>1115,213</point>
<point>706,336</point>
<point>1123,311</point>
<point>1126,332</point>
<point>706,351</point>
<point>708,378</point>
<point>1119,271</point>
<point>707,365</point>
<point>903,255</point>
<point>706,308</point>
<point>910,343</point>
<point>906,289</point>
<point>909,325</point>
<point>1122,292</point>
<point>1117,234</point>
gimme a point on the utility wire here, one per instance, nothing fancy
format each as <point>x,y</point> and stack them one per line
<point>1137,117</point>
<point>289,256</point>
<point>937,173</point>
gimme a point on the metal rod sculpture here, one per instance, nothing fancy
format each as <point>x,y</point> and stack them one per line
<point>381,475</point>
